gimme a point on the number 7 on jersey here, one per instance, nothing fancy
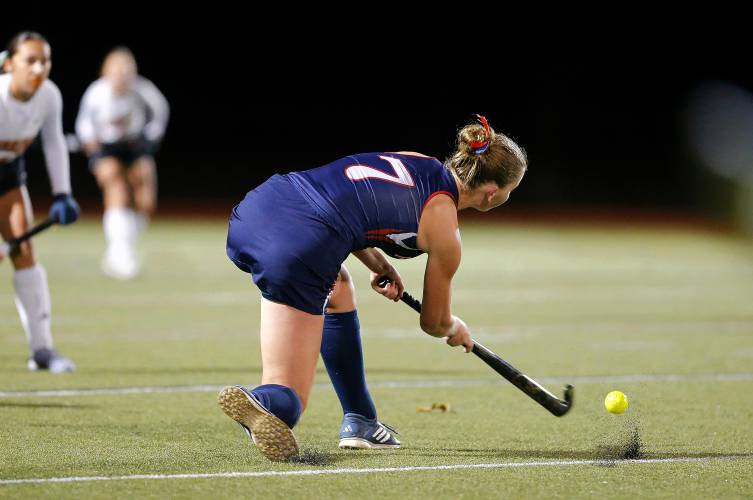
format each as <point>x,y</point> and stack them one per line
<point>402,176</point>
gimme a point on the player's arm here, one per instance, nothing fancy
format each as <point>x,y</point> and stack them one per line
<point>54,146</point>
<point>64,208</point>
<point>440,238</point>
<point>158,107</point>
<point>381,268</point>
<point>85,127</point>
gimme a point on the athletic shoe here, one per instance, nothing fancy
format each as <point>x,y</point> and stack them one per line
<point>51,360</point>
<point>271,435</point>
<point>122,265</point>
<point>360,432</point>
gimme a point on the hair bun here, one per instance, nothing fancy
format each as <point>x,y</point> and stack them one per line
<point>480,146</point>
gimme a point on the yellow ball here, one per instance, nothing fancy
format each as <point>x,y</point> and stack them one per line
<point>616,402</point>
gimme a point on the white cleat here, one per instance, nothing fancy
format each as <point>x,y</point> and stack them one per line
<point>50,360</point>
<point>123,267</point>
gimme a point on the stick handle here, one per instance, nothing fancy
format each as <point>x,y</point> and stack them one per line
<point>413,302</point>
<point>13,244</point>
<point>530,387</point>
<point>515,376</point>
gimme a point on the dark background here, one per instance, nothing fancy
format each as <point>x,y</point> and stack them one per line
<point>601,127</point>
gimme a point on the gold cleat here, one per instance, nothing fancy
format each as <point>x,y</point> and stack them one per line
<point>271,435</point>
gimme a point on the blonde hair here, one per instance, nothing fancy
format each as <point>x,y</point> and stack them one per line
<point>482,155</point>
<point>120,51</point>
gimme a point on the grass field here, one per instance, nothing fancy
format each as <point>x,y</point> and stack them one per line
<point>663,314</point>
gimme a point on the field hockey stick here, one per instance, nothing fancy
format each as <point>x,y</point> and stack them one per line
<point>11,246</point>
<point>530,387</point>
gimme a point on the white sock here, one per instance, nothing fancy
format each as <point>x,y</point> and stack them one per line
<point>120,231</point>
<point>115,222</point>
<point>136,223</point>
<point>141,221</point>
<point>33,304</point>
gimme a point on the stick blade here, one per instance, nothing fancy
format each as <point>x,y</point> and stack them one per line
<point>564,407</point>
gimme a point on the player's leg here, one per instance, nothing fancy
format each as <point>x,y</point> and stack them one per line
<point>142,178</point>
<point>341,348</point>
<point>293,259</point>
<point>119,260</point>
<point>343,357</point>
<point>30,283</point>
<point>111,178</point>
<point>290,341</point>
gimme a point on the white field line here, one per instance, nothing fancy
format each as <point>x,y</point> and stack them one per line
<point>401,384</point>
<point>511,332</point>
<point>375,470</point>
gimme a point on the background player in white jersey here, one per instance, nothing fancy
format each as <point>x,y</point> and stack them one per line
<point>120,123</point>
<point>30,104</point>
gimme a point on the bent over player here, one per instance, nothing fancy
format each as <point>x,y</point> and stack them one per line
<point>293,233</point>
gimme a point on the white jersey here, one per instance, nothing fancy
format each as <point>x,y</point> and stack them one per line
<point>21,122</point>
<point>106,117</point>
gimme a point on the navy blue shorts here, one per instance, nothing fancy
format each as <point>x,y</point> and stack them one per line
<point>12,175</point>
<point>292,254</point>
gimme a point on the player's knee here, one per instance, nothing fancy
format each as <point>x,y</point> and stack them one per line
<point>109,174</point>
<point>344,277</point>
<point>116,190</point>
<point>107,167</point>
<point>113,184</point>
<point>145,200</point>
<point>343,298</point>
<point>143,174</point>
<point>24,258</point>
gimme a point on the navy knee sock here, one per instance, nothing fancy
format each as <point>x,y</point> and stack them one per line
<point>281,401</point>
<point>343,357</point>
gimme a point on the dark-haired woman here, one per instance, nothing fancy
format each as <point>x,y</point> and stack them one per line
<point>31,105</point>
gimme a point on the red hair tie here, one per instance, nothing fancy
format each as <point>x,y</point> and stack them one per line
<point>481,146</point>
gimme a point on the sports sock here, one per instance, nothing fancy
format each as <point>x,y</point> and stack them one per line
<point>281,401</point>
<point>33,304</point>
<point>343,358</point>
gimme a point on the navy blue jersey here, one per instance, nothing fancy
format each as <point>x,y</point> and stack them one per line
<point>376,199</point>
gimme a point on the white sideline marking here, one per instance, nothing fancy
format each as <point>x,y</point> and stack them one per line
<point>401,384</point>
<point>109,391</point>
<point>322,472</point>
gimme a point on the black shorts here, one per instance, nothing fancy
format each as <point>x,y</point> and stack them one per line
<point>126,152</point>
<point>12,175</point>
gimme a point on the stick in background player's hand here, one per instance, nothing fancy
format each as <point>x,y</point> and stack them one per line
<point>11,246</point>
